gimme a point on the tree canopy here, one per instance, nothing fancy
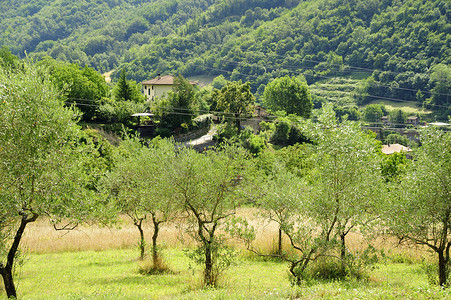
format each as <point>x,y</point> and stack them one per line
<point>236,101</point>
<point>419,210</point>
<point>42,174</point>
<point>289,94</point>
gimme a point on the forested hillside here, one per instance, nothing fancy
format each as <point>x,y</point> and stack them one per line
<point>404,45</point>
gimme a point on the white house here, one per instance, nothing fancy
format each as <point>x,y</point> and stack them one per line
<point>158,87</point>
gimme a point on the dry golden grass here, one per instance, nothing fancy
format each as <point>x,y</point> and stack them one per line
<point>41,237</point>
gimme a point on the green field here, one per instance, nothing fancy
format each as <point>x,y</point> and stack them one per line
<point>113,274</point>
<point>96,262</point>
<point>408,107</point>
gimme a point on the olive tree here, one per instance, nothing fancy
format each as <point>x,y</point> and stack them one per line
<point>336,192</point>
<point>39,161</point>
<point>346,180</point>
<point>419,209</point>
<point>139,185</point>
<point>278,197</point>
<point>205,185</point>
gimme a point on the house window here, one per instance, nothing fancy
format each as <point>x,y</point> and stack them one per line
<point>149,92</point>
<point>145,87</point>
<point>152,87</point>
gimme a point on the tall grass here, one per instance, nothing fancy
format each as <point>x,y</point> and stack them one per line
<point>94,262</point>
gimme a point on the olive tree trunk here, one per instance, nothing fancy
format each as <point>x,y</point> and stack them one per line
<point>7,270</point>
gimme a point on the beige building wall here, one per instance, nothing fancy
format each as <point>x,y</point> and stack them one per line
<point>155,91</point>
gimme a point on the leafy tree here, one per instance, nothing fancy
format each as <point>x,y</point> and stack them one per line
<point>398,118</point>
<point>345,180</point>
<point>440,78</point>
<point>205,186</point>
<point>373,113</point>
<point>351,112</point>
<point>139,186</point>
<point>40,161</point>
<point>235,100</point>
<point>289,94</point>
<point>287,132</point>
<point>85,87</point>
<point>7,59</point>
<point>419,210</point>
<point>219,82</point>
<point>394,166</point>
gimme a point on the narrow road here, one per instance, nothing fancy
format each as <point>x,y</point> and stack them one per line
<point>202,142</point>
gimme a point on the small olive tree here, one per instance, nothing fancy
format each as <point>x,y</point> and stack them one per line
<point>205,185</point>
<point>139,185</point>
<point>336,195</point>
<point>346,181</point>
<point>419,209</point>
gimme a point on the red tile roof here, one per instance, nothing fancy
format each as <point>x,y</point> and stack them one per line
<point>163,80</point>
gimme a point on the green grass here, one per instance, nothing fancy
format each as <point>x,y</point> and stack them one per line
<point>408,107</point>
<point>113,274</point>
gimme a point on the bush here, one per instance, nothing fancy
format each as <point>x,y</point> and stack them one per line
<point>223,257</point>
<point>396,138</point>
<point>120,112</point>
<point>148,268</point>
<point>106,113</point>
<point>255,144</point>
<point>225,132</point>
<point>286,133</point>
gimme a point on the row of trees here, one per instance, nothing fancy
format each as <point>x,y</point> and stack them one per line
<point>341,184</point>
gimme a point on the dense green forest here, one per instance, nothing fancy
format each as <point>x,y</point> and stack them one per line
<point>399,50</point>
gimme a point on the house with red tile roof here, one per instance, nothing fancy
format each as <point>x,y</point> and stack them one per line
<point>158,87</point>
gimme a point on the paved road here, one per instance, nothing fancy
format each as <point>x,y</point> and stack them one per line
<point>202,142</point>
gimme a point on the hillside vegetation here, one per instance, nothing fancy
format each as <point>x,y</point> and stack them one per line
<point>405,45</point>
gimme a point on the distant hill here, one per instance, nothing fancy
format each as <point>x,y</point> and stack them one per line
<point>405,45</point>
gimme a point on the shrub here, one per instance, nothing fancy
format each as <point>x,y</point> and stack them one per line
<point>255,144</point>
<point>148,268</point>
<point>225,132</point>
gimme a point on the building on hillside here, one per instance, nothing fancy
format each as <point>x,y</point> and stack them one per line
<point>158,87</point>
<point>413,120</point>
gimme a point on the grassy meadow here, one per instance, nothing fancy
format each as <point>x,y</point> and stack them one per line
<point>407,107</point>
<point>95,262</point>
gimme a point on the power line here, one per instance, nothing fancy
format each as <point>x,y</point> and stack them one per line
<point>296,68</point>
<point>367,95</point>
